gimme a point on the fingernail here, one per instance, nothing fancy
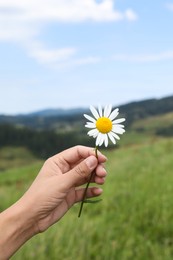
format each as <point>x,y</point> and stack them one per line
<point>99,190</point>
<point>105,157</point>
<point>91,162</point>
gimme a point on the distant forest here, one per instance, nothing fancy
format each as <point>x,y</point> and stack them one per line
<point>46,135</point>
<point>49,120</point>
<point>143,109</point>
<point>43,143</point>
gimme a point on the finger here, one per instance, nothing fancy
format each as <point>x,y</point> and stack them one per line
<point>100,173</point>
<point>91,192</point>
<point>80,173</point>
<point>101,157</point>
<point>77,153</point>
<point>99,180</point>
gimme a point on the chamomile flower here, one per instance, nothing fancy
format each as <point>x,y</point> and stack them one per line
<point>104,126</point>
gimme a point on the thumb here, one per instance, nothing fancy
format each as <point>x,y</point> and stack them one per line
<point>80,173</point>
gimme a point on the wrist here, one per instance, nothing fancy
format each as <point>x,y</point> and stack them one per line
<point>15,229</point>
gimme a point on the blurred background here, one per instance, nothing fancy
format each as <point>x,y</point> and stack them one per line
<point>56,59</point>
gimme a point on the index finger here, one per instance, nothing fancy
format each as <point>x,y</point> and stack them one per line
<point>77,153</point>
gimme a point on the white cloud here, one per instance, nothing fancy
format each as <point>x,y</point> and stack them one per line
<point>170,6</point>
<point>78,61</point>
<point>144,57</point>
<point>131,15</point>
<point>22,21</point>
<point>62,10</point>
<point>46,56</point>
<point>57,58</point>
<point>20,18</point>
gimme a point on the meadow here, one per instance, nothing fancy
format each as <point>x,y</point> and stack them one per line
<point>134,220</point>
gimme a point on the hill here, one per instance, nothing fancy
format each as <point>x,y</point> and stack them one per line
<point>45,135</point>
<point>57,112</point>
<point>51,119</point>
<point>147,108</point>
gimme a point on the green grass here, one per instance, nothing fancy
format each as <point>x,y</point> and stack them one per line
<point>153,123</point>
<point>13,157</point>
<point>133,221</point>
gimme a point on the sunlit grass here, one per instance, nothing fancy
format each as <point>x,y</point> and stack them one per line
<point>152,123</point>
<point>13,157</point>
<point>133,220</point>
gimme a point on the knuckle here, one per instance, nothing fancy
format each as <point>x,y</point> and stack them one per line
<point>81,171</point>
<point>48,162</point>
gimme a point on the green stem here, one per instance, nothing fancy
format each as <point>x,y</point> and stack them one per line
<point>87,186</point>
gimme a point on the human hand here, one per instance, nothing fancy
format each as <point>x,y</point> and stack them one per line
<point>56,188</point>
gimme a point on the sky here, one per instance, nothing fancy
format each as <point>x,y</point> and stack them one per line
<point>76,53</point>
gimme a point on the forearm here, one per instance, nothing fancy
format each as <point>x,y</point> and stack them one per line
<point>15,229</point>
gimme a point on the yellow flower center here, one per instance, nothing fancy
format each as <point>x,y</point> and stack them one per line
<point>104,125</point>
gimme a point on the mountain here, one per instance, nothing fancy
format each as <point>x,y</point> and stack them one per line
<point>44,119</point>
<point>146,108</point>
<point>57,112</point>
<point>50,131</point>
<point>53,118</point>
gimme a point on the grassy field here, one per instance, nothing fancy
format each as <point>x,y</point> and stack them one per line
<point>153,123</point>
<point>133,221</point>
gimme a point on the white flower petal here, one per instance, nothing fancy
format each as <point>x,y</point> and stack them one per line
<point>90,125</point>
<point>107,110</point>
<point>102,139</point>
<point>90,118</point>
<point>112,138</point>
<point>94,112</point>
<point>121,125</point>
<point>115,135</point>
<point>117,121</point>
<point>121,129</point>
<point>95,135</point>
<point>93,132</point>
<point>117,130</point>
<point>99,139</point>
<point>114,114</point>
<point>100,111</point>
<point>106,140</point>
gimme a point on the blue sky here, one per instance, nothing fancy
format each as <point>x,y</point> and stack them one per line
<point>73,53</point>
